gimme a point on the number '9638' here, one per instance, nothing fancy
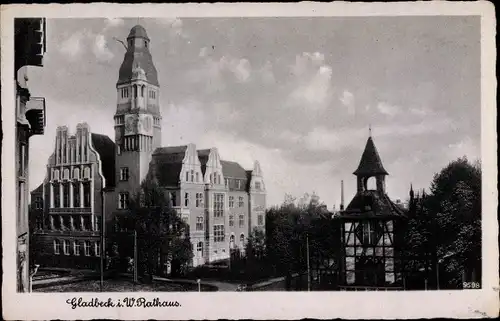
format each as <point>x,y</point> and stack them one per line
<point>471,285</point>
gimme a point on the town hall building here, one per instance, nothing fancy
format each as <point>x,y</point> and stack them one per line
<point>220,200</point>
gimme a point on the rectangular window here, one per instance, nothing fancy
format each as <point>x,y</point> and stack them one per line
<point>192,176</point>
<point>86,248</point>
<point>66,247</point>
<point>219,233</point>
<point>186,199</point>
<point>231,220</point>
<point>240,202</point>
<point>241,221</point>
<point>97,248</point>
<point>66,195</point>
<point>57,195</point>
<point>231,201</point>
<point>260,219</point>
<point>218,205</point>
<point>226,182</point>
<point>199,223</point>
<point>57,247</point>
<point>86,195</point>
<point>199,199</point>
<point>257,186</point>
<point>197,177</point>
<point>76,248</point>
<point>187,176</point>
<point>123,201</point>
<point>238,184</point>
<point>39,203</point>
<point>199,248</point>
<point>124,175</point>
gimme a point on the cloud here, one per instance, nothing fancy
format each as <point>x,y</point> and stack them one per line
<point>388,109</point>
<point>203,52</point>
<point>113,22</point>
<point>73,46</point>
<point>175,26</point>
<point>347,100</point>
<point>312,81</point>
<point>100,48</point>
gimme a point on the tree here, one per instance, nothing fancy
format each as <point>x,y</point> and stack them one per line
<point>162,236</point>
<point>444,228</point>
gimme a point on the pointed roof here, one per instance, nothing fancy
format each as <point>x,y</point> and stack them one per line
<point>370,163</point>
<point>138,56</point>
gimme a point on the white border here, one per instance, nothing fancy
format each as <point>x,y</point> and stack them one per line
<point>263,305</point>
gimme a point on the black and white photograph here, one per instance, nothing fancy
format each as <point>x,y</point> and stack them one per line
<point>316,154</point>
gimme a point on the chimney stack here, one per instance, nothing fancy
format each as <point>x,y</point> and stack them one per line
<point>341,195</point>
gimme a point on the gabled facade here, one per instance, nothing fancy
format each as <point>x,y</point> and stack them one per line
<point>221,201</point>
<point>371,233</point>
<point>68,206</point>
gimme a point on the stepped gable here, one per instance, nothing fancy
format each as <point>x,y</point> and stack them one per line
<point>105,147</point>
<point>370,164</point>
<point>203,157</point>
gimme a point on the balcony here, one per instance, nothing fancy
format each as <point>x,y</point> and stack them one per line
<point>35,114</point>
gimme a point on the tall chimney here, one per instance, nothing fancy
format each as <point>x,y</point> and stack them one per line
<point>341,195</point>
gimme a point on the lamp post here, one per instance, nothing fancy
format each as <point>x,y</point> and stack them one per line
<point>308,265</point>
<point>199,284</point>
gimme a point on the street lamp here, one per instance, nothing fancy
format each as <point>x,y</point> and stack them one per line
<point>199,284</point>
<point>426,280</point>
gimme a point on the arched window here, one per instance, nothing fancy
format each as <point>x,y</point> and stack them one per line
<point>370,183</point>
<point>192,175</point>
<point>142,90</point>
<point>135,91</point>
<point>86,173</point>
<point>199,248</point>
<point>66,173</point>
<point>56,175</point>
<point>242,239</point>
<point>76,173</point>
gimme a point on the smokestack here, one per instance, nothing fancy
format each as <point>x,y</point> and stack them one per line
<point>341,195</point>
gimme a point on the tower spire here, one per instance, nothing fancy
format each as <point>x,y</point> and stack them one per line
<point>370,130</point>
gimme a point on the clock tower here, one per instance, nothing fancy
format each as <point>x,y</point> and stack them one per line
<point>137,117</point>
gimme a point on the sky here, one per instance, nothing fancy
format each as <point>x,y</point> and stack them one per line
<point>296,94</point>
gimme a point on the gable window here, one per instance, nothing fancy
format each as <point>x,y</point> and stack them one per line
<point>240,201</point>
<point>66,174</point>
<point>226,182</point>
<point>76,173</point>
<point>86,248</point>
<point>218,205</point>
<point>123,201</point>
<point>186,199</point>
<point>218,179</point>
<point>76,248</point>
<point>57,247</point>
<point>231,201</point>
<point>219,233</point>
<point>257,186</point>
<point>124,174</point>
<point>192,176</point>
<point>260,219</point>
<point>187,176</point>
<point>66,247</point>
<point>241,221</point>
<point>199,223</point>
<point>86,173</point>
<point>57,195</point>
<point>238,184</point>
<point>55,175</point>
<point>76,195</point>
<point>197,177</point>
